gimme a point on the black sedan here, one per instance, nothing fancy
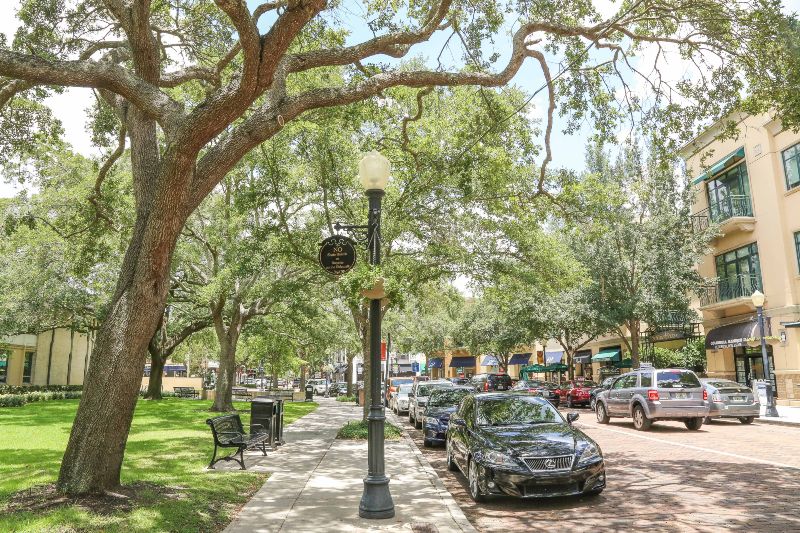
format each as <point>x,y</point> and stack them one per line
<point>520,445</point>
<point>441,404</point>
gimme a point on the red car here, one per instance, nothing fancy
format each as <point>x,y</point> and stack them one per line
<point>577,392</point>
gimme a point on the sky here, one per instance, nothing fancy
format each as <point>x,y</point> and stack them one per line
<point>70,106</point>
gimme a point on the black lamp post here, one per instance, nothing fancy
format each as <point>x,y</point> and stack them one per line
<point>376,501</point>
<point>758,301</point>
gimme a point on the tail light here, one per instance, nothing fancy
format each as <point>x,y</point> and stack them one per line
<point>705,394</point>
<point>486,386</point>
<point>652,395</point>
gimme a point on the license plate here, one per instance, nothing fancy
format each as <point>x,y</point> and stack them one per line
<point>501,387</point>
<point>738,399</point>
<point>680,395</point>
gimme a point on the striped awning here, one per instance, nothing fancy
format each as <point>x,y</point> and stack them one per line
<point>462,362</point>
<point>719,166</point>
<point>520,359</point>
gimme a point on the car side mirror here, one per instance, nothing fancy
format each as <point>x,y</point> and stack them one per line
<point>460,422</point>
<point>572,417</point>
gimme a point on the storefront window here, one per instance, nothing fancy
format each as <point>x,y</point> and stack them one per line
<point>739,272</point>
<point>750,366</point>
<point>4,356</point>
<point>27,368</point>
<point>791,166</point>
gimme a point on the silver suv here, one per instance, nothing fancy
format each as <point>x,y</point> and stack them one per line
<point>649,394</point>
<point>418,398</point>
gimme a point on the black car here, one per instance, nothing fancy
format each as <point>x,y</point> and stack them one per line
<point>491,382</point>
<point>520,445</point>
<point>441,404</point>
<point>545,389</point>
<point>605,385</point>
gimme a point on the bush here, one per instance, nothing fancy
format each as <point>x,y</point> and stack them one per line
<point>12,400</point>
<point>358,431</point>
<point>25,389</point>
<point>345,398</point>
<point>18,400</point>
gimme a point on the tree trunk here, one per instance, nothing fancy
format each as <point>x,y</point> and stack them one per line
<point>94,454</point>
<point>223,399</point>
<point>50,355</point>
<point>157,362</point>
<point>635,325</point>
<point>348,373</point>
<point>303,371</point>
<point>571,369</point>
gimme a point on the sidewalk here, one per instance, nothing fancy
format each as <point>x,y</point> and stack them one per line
<point>789,416</point>
<point>316,483</point>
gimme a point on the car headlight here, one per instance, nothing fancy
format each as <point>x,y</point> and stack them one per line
<point>589,455</point>
<point>495,458</point>
<point>431,421</point>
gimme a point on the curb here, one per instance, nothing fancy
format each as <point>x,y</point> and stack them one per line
<point>450,503</point>
<point>771,422</point>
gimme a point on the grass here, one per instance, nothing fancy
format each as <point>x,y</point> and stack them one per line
<point>358,431</point>
<point>345,398</point>
<point>168,449</point>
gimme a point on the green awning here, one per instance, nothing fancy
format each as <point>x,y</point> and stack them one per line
<point>556,367</point>
<point>625,363</point>
<point>720,165</point>
<point>607,355</point>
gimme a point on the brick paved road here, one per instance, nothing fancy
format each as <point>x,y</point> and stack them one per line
<point>725,477</point>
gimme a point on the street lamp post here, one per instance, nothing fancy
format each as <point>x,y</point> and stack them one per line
<point>376,501</point>
<point>758,299</point>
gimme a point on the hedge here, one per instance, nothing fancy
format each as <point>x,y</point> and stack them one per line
<point>25,389</point>
<point>18,400</point>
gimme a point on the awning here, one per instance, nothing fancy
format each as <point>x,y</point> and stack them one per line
<point>537,368</point>
<point>436,363</point>
<point>583,358</point>
<point>791,324</point>
<point>462,362</point>
<point>174,368</point>
<point>490,360</point>
<point>607,354</point>
<point>625,363</point>
<point>520,359</point>
<point>734,335</point>
<point>716,168</point>
<point>553,357</point>
<point>556,367</point>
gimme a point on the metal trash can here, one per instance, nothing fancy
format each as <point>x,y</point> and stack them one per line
<point>309,392</point>
<point>262,412</point>
<point>278,421</point>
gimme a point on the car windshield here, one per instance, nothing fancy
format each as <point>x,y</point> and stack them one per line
<point>425,390</point>
<point>675,379</point>
<point>725,384</point>
<point>516,410</point>
<point>405,388</point>
<point>444,397</point>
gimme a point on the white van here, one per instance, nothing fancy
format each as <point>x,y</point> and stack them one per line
<point>320,385</point>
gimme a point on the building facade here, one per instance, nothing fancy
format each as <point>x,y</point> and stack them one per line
<point>53,357</point>
<point>750,188</point>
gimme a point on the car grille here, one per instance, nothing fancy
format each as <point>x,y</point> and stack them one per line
<point>548,464</point>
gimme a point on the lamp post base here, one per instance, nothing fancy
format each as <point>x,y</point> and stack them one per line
<point>376,501</point>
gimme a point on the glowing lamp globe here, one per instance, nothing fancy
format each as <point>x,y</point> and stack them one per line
<point>373,171</point>
<point>758,298</point>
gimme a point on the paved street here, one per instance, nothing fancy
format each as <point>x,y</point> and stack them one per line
<point>725,477</point>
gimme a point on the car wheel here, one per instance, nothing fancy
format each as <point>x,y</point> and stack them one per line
<point>707,420</point>
<point>410,418</point>
<point>427,443</point>
<point>602,415</point>
<point>747,419</point>
<point>693,423</point>
<point>417,423</point>
<point>640,420</point>
<point>451,464</point>
<point>475,482</point>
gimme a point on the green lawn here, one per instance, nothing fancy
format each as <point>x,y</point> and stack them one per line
<point>169,445</point>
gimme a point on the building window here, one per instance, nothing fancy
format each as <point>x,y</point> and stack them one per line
<point>729,194</point>
<point>797,248</point>
<point>27,367</point>
<point>791,166</point>
<point>4,356</point>
<point>739,272</point>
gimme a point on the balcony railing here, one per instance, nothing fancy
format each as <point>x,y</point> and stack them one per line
<point>742,286</point>
<point>735,205</point>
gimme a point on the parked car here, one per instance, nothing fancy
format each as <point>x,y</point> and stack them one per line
<point>545,389</point>
<point>392,384</point>
<point>337,389</point>
<point>578,392</point>
<point>491,382</point>
<point>729,399</point>
<point>520,445</point>
<point>441,404</point>
<point>399,399</point>
<point>650,394</point>
<point>419,398</point>
<point>320,385</point>
<point>459,381</point>
<point>604,385</point>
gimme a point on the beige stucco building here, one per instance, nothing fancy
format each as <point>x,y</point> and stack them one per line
<point>750,188</point>
<point>53,357</point>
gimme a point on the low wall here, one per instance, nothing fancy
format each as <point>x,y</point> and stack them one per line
<point>168,383</point>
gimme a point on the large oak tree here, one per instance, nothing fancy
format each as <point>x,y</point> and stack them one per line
<point>194,85</point>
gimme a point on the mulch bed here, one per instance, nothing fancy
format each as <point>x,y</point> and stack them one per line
<point>123,499</point>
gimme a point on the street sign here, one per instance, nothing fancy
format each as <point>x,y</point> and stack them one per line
<point>415,367</point>
<point>337,255</point>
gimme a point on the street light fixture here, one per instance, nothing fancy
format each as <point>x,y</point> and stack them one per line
<point>376,501</point>
<point>758,300</point>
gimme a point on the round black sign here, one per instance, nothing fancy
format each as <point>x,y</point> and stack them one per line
<point>337,255</point>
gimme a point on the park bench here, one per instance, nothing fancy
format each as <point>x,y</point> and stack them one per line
<point>229,433</point>
<point>186,392</point>
<point>285,394</point>
<point>241,393</point>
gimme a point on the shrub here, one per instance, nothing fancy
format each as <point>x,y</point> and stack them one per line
<point>358,431</point>
<point>12,400</point>
<point>25,389</point>
<point>345,398</point>
<point>18,400</point>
